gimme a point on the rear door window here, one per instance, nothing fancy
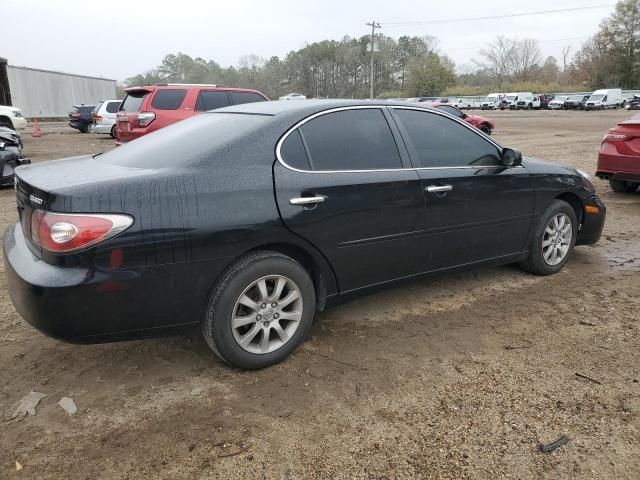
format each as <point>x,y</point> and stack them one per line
<point>112,107</point>
<point>246,97</point>
<point>358,139</point>
<point>211,99</point>
<point>169,99</point>
<point>133,101</point>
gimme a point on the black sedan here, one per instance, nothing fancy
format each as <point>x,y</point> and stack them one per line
<point>249,219</point>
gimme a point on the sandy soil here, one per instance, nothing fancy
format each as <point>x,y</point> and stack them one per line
<point>460,378</point>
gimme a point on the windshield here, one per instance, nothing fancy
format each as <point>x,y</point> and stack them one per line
<point>510,98</point>
<point>596,98</point>
<point>560,99</point>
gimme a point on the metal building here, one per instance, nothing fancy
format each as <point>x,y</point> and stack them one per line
<point>48,94</point>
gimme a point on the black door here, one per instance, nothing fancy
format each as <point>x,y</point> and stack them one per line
<point>346,189</point>
<point>475,208</point>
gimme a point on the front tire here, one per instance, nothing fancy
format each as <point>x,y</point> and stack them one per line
<point>260,310</point>
<point>552,240</point>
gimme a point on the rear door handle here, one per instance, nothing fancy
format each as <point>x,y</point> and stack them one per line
<point>307,200</point>
<point>439,188</point>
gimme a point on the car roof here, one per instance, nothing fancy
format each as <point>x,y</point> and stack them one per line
<point>305,107</point>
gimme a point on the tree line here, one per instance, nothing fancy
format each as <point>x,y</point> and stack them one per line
<point>415,66</point>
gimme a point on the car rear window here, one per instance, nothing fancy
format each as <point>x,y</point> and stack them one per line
<point>133,101</point>
<point>169,99</point>
<point>211,100</point>
<point>184,141</point>
<point>112,107</point>
<point>239,98</point>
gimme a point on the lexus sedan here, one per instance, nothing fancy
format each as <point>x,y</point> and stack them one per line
<point>249,219</point>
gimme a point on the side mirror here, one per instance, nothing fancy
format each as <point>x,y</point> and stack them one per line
<point>511,157</point>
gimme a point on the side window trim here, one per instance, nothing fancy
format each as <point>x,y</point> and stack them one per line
<point>382,107</point>
<point>306,149</point>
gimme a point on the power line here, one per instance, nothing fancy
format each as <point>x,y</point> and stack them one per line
<point>497,17</point>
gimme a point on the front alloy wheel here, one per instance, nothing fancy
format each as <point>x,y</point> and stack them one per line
<point>552,240</point>
<point>557,239</point>
<point>267,314</point>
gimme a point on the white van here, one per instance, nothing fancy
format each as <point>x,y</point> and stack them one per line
<point>605,98</point>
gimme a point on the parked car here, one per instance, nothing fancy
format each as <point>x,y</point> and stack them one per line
<point>81,117</point>
<point>464,103</point>
<point>634,103</point>
<point>10,155</point>
<point>11,117</point>
<point>104,117</point>
<point>619,157</point>
<point>576,102</point>
<point>150,108</point>
<point>247,220</point>
<point>489,103</point>
<point>558,102</point>
<point>421,99</point>
<point>605,98</point>
<point>482,123</point>
<point>293,96</point>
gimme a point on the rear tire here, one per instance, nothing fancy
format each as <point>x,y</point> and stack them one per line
<point>245,322</point>
<point>485,128</point>
<point>113,132</point>
<point>552,240</point>
<point>622,186</point>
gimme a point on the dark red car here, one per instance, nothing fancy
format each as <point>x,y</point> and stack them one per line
<point>482,123</point>
<point>150,108</point>
<point>619,157</point>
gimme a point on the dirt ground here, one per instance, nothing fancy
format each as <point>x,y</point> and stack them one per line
<point>459,378</point>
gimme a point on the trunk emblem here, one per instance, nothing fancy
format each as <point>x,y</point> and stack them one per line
<point>36,200</point>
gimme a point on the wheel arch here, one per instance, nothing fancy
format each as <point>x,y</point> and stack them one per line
<point>4,118</point>
<point>575,202</point>
<point>321,272</point>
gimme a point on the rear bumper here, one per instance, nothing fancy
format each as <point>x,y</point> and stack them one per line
<point>91,305</point>
<point>617,166</point>
<point>78,124</point>
<point>592,223</point>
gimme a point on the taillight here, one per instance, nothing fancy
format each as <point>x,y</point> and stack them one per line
<point>616,137</point>
<point>76,115</point>
<point>145,118</point>
<point>97,118</point>
<point>63,233</point>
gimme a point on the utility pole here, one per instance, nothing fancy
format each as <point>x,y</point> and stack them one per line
<point>373,26</point>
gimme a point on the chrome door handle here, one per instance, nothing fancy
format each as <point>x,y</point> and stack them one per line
<point>439,188</point>
<point>306,200</point>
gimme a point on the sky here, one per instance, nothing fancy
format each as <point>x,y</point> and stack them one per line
<point>121,38</point>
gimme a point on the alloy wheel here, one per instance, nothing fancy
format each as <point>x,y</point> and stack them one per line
<point>556,240</point>
<point>267,314</point>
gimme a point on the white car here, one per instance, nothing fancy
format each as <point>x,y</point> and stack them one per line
<point>557,103</point>
<point>11,117</point>
<point>294,96</point>
<point>104,117</point>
